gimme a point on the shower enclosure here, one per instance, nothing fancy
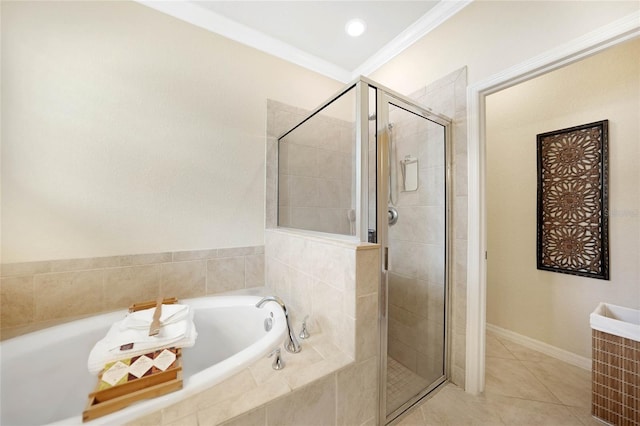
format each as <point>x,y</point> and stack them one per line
<point>373,165</point>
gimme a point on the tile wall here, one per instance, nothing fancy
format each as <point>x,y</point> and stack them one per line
<point>334,379</point>
<point>448,96</point>
<point>36,295</point>
<point>417,249</point>
<point>315,173</point>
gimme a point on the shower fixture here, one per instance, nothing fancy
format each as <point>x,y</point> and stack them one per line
<point>393,215</point>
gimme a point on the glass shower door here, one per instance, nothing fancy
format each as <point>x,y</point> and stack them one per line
<point>413,160</point>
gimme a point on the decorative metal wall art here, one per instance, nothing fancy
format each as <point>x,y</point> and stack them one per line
<point>573,201</point>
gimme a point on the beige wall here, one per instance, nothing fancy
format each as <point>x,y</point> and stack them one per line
<point>490,36</point>
<point>550,307</point>
<point>128,131</point>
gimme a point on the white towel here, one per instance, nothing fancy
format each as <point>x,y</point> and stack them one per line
<point>142,319</point>
<point>177,333</point>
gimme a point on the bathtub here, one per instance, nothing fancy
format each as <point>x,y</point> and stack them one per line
<point>44,377</point>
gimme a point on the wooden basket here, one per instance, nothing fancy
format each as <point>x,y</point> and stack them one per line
<point>105,401</point>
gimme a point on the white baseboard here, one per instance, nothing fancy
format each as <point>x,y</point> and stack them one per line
<point>536,345</point>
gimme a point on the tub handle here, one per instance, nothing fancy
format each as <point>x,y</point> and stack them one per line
<point>304,333</point>
<point>278,363</point>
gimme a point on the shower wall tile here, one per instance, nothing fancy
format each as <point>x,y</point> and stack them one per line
<point>333,164</point>
<point>417,252</point>
<point>408,258</point>
<point>303,191</point>
<point>35,297</point>
<point>16,301</point>
<point>460,217</point>
<point>302,160</point>
<point>461,174</point>
<point>433,269</point>
<point>315,173</point>
<point>432,189</point>
<point>404,354</point>
<point>410,293</point>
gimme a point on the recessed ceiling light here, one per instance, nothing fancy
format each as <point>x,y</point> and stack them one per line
<point>355,27</point>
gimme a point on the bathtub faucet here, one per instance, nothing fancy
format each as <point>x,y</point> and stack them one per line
<point>291,344</point>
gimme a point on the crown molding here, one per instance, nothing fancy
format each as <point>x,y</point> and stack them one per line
<point>428,22</point>
<point>196,15</point>
<point>214,22</point>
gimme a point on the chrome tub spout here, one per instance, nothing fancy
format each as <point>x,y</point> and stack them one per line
<point>291,344</point>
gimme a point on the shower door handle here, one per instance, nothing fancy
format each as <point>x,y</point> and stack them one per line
<point>393,215</point>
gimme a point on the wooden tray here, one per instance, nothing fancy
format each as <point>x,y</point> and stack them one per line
<point>105,401</point>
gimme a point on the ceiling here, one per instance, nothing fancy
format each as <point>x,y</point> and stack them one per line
<point>312,33</point>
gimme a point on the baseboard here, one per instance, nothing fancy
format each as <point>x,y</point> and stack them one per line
<point>545,348</point>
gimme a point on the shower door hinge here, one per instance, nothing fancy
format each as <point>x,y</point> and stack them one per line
<point>386,258</point>
<point>486,255</point>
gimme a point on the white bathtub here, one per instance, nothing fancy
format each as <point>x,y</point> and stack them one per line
<point>44,377</point>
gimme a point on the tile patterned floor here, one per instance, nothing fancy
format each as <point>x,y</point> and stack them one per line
<point>523,387</point>
<point>402,384</point>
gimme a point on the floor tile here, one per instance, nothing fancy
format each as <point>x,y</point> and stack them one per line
<point>516,411</point>
<point>584,415</point>
<point>511,378</point>
<point>523,353</point>
<point>496,349</point>
<point>414,418</point>
<point>570,384</point>
<point>453,406</point>
<point>522,387</point>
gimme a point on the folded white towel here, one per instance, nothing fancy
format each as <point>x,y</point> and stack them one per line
<point>179,334</point>
<point>142,319</point>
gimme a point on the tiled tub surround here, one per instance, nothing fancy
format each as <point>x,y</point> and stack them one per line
<point>36,295</point>
<point>334,379</point>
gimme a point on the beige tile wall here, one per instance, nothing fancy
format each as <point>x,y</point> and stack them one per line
<point>316,169</point>
<point>35,295</point>
<point>334,379</point>
<point>417,249</point>
<point>448,96</point>
<point>317,277</point>
<point>336,284</point>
